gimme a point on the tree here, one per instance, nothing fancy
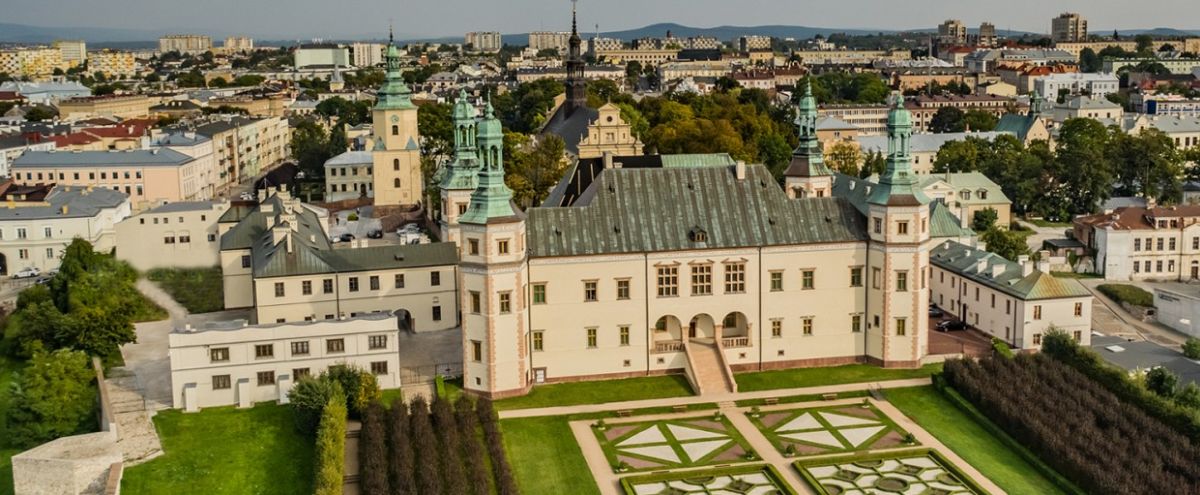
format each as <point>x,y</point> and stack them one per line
<point>1145,44</point>
<point>1089,61</point>
<point>1189,396</point>
<point>1191,348</point>
<point>307,398</point>
<point>1082,170</point>
<point>774,152</point>
<point>534,168</point>
<point>726,84</point>
<point>1007,244</point>
<point>638,124</point>
<point>947,119</point>
<point>53,397</point>
<point>152,78</point>
<point>1162,382</point>
<point>360,386</point>
<point>980,121</point>
<point>843,157</point>
<point>873,164</point>
<point>984,220</point>
<point>1147,164</point>
<point>310,147</point>
<point>331,446</point>
<point>373,451</point>
<point>39,113</point>
<point>959,156</point>
<point>437,129</point>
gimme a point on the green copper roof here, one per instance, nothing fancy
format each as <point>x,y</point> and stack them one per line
<point>492,199</point>
<point>638,210</point>
<point>1002,274</point>
<point>694,160</point>
<point>898,186</point>
<point>394,94</point>
<point>807,158</point>
<point>463,171</point>
<point>943,223</point>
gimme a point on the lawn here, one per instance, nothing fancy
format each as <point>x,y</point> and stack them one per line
<point>8,369</point>
<point>971,441</point>
<point>199,290</point>
<point>815,377</point>
<point>545,457</point>
<point>569,394</point>
<point>145,310</point>
<point>1081,276</point>
<point>1128,294</point>
<point>226,450</point>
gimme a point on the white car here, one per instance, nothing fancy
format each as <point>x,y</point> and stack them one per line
<point>27,273</point>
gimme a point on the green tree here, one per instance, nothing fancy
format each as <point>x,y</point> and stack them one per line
<point>1162,382</point>
<point>1089,61</point>
<point>360,387</point>
<point>984,220</point>
<point>53,397</point>
<point>307,399</point>
<point>843,156</point>
<point>1191,348</point>
<point>1189,396</point>
<point>959,156</point>
<point>152,78</point>
<point>1082,170</point>
<point>726,84</point>
<point>331,447</point>
<point>1007,244</point>
<point>533,168</point>
<point>601,91</point>
<point>980,121</point>
<point>39,113</point>
<point>437,129</point>
<point>249,80</point>
<point>338,142</point>
<point>638,124</point>
<point>1145,44</point>
<point>947,119</point>
<point>1147,164</point>
<point>310,147</point>
<point>874,164</point>
<point>774,152</point>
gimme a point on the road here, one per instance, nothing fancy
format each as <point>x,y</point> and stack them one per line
<point>1041,234</point>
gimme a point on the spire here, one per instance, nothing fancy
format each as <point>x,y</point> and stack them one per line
<point>461,173</point>
<point>576,86</point>
<point>898,186</point>
<point>1035,103</point>
<point>492,198</point>
<point>394,94</point>
<point>807,159</point>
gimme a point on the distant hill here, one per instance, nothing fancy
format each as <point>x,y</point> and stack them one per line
<point>723,33</point>
<point>1159,31</point>
<point>21,33</point>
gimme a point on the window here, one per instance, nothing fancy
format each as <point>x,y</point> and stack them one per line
<point>218,354</point>
<point>776,328</point>
<point>335,345</point>
<point>622,289</point>
<point>505,302</point>
<point>327,286</point>
<point>807,279</point>
<point>901,327</point>
<point>856,323</point>
<point>589,291</point>
<point>539,293</point>
<point>776,281</point>
<point>245,262</point>
<point>299,373</point>
<point>878,225</point>
<point>306,287</point>
<point>169,239</point>
<point>1137,267</point>
<point>1170,263</point>
<point>1158,244</point>
<point>902,281</point>
<point>1037,339</point>
<point>1196,243</point>
<point>266,378</point>
<point>735,278</point>
<point>623,333</point>
<point>50,255</point>
<point>377,342</point>
<point>1078,309</point>
<point>1158,266</point>
<point>396,132</point>
<point>374,280</point>
<point>668,281</point>
<point>353,284</point>
<point>875,277</point>
<point>396,182</point>
<point>300,348</point>
<point>502,246</point>
<point>399,281</point>
<point>701,280</point>
<point>1037,312</point>
<point>379,368</point>
<point>437,313</point>
<point>23,254</point>
<point>856,276</point>
<point>1078,335</point>
<point>49,232</point>
<point>1137,244</point>
<point>539,341</point>
<point>591,338</point>
<point>808,326</point>
<point>476,351</point>
<point>278,289</point>
<point>475,302</point>
<point>473,247</point>
<point>902,228</point>
<point>1170,243</point>
<point>435,278</point>
<point>263,351</point>
<point>221,382</point>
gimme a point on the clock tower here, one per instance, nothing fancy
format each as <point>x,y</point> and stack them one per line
<point>396,152</point>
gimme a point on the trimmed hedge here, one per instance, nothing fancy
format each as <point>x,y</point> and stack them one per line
<point>402,468</point>
<point>331,447</point>
<point>372,452</point>
<point>505,483</point>
<point>1128,294</point>
<point>627,483</point>
<point>803,464</point>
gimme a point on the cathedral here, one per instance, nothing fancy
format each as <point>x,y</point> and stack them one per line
<point>395,148</point>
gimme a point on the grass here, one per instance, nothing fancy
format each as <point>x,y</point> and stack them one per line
<point>731,434</point>
<point>8,371</point>
<point>199,290</point>
<point>570,394</point>
<point>814,377</point>
<point>145,309</point>
<point>545,457</point>
<point>226,450</point>
<point>971,441</point>
<point>1129,294</point>
<point>1074,275</point>
<point>876,441</point>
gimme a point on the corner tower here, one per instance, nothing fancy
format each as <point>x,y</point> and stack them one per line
<point>396,154</point>
<point>807,176</point>
<point>898,254</point>
<point>494,276</point>
<point>462,174</point>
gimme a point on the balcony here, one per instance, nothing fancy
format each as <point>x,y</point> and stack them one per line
<point>734,342</point>
<point>665,346</point>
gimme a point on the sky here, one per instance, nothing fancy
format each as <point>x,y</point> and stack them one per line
<point>306,19</point>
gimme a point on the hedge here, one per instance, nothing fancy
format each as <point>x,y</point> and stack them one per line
<point>1129,294</point>
<point>331,447</point>
<point>802,465</point>
<point>627,483</point>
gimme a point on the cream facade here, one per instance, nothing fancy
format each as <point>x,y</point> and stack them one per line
<point>246,147</point>
<point>349,176</point>
<point>147,177</point>
<point>174,235</point>
<point>609,133</point>
<point>112,106</point>
<point>1137,243</point>
<point>396,150</point>
<point>232,363</point>
<point>113,63</point>
<point>188,44</point>
<point>38,223</point>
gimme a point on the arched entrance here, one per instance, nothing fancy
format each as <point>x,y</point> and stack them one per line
<point>735,325</point>
<point>702,327</point>
<point>403,320</point>
<point>667,334</point>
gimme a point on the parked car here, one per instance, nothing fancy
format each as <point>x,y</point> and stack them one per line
<point>951,325</point>
<point>375,234</point>
<point>935,311</point>
<point>27,273</point>
<point>408,228</point>
<point>347,237</point>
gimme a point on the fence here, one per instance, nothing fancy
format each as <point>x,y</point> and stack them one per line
<point>410,375</point>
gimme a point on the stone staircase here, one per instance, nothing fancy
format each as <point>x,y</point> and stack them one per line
<point>136,435</point>
<point>708,368</point>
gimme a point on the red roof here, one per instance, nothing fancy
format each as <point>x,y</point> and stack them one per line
<point>73,139</point>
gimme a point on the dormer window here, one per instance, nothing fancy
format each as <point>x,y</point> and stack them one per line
<point>698,235</point>
<point>965,195</point>
<point>982,193</point>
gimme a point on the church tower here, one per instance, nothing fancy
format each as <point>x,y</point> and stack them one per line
<point>898,254</point>
<point>807,176</point>
<point>493,277</point>
<point>396,155</point>
<point>462,174</point>
<point>576,85</point>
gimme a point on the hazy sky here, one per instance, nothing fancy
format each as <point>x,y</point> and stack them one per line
<point>431,18</point>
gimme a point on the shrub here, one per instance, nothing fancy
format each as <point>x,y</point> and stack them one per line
<point>307,400</point>
<point>1128,294</point>
<point>984,219</point>
<point>353,217</point>
<point>1191,348</point>
<point>52,397</point>
<point>331,446</point>
<point>1001,348</point>
<point>402,468</point>
<point>424,446</point>
<point>449,448</point>
<point>373,452</point>
<point>505,483</point>
<point>361,387</point>
<point>468,424</point>
<point>1162,382</point>
<point>1189,396</point>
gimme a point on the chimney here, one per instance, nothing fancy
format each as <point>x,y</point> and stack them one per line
<point>740,170</point>
<point>1043,263</point>
<point>66,209</point>
<point>997,269</point>
<point>608,160</point>
<point>981,266</point>
<point>1026,265</point>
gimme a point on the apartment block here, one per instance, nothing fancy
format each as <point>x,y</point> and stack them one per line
<point>484,41</point>
<point>1068,27</point>
<point>113,63</point>
<point>112,106</point>
<point>246,147</point>
<point>367,54</point>
<point>35,62</point>
<point>238,44</point>
<point>549,40</point>
<point>752,43</point>
<point>147,177</point>
<point>188,44</point>
<point>73,52</point>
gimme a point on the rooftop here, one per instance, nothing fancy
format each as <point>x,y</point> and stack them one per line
<point>63,202</point>
<point>924,143</point>
<point>157,157</point>
<point>995,271</point>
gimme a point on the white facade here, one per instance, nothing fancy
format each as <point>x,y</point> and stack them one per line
<point>1097,85</point>
<point>549,40</point>
<point>1178,307</point>
<point>175,235</point>
<point>367,54</point>
<point>236,364</point>
<point>349,176</point>
<point>321,56</point>
<point>35,233</point>
<point>10,149</point>
<point>485,41</point>
<point>184,43</point>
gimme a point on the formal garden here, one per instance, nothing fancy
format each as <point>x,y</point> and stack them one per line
<point>758,479</point>
<point>671,443</point>
<point>922,471</point>
<point>827,430</point>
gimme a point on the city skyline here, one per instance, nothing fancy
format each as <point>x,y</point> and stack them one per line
<point>264,19</point>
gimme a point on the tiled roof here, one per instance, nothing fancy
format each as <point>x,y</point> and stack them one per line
<point>631,210</point>
<point>964,260</point>
<point>146,158</point>
<point>1137,217</point>
<point>79,202</point>
<point>971,181</point>
<point>182,206</point>
<point>571,128</point>
<point>350,158</point>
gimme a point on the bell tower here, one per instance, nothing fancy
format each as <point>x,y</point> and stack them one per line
<point>807,176</point>
<point>396,154</point>
<point>462,174</point>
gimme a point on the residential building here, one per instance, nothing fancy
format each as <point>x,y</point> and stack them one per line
<point>13,146</point>
<point>918,78</point>
<point>1074,48</point>
<point>484,41</point>
<point>754,43</point>
<point>349,176</point>
<point>1166,104</point>
<point>1091,107</point>
<point>987,35</point>
<point>1098,84</point>
<point>1184,131</point>
<point>73,52</point>
<point>277,259</point>
<point>701,43</point>
<point>849,57</point>
<point>611,72</point>
<point>40,220</point>
<point>1030,126</point>
<point>321,55</point>
<point>233,363</point>
<point>112,106</point>
<point>923,147</point>
<point>924,107</point>
<point>645,57</point>
<point>870,119</point>
<point>367,54</point>
<point>960,194</point>
<point>172,235</point>
<point>549,40</point>
<point>113,64</point>
<point>952,32</point>
<point>1024,76</point>
<point>990,59</point>
<point>1068,27</point>
<point>700,68</point>
<point>1173,65</point>
<point>238,44</point>
<point>1144,243</point>
<point>32,62</point>
<point>597,45</point>
<point>395,148</point>
<point>246,148</point>
<point>1017,302</point>
<point>147,177</point>
<point>187,44</point>
<point>207,173</point>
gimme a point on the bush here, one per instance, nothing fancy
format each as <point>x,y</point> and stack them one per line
<point>505,483</point>
<point>353,217</point>
<point>308,399</point>
<point>468,423</point>
<point>402,468</point>
<point>1191,348</point>
<point>1001,348</point>
<point>1162,382</point>
<point>373,452</point>
<point>454,481</point>
<point>359,388</point>
<point>331,446</point>
<point>424,446</point>
<point>984,219</point>
<point>53,397</point>
<point>1128,294</point>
